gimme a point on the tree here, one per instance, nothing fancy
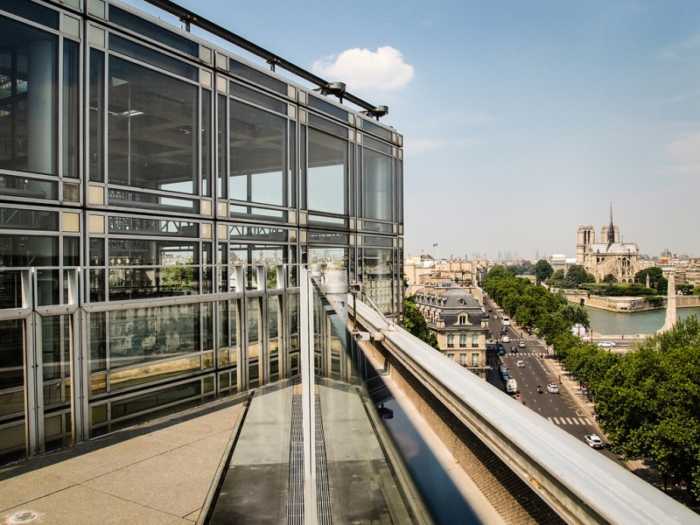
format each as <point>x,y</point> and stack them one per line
<point>610,279</point>
<point>414,322</point>
<point>656,279</point>
<point>543,270</point>
<point>576,275</point>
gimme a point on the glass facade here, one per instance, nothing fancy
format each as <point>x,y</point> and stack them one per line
<point>154,215</point>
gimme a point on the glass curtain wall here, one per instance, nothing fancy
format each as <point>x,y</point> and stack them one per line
<point>204,191</point>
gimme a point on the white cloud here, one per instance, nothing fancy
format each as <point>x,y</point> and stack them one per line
<point>362,69</point>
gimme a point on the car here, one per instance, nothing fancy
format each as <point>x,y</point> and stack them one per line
<point>553,388</point>
<point>594,441</point>
<point>607,344</point>
<point>521,344</point>
<point>539,389</point>
<point>520,363</point>
<point>506,321</point>
<point>514,350</point>
<point>505,339</point>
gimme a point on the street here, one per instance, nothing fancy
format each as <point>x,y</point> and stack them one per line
<point>560,409</point>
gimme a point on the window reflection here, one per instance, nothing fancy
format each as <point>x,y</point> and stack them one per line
<point>28,91</point>
<point>325,176</point>
<point>258,155</point>
<point>377,186</point>
<point>152,123</point>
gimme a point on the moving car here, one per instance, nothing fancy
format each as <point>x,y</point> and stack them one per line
<point>539,389</point>
<point>520,363</point>
<point>553,388</point>
<point>506,321</point>
<point>594,441</point>
<point>512,386</point>
<point>521,344</point>
<point>505,339</point>
<point>607,344</point>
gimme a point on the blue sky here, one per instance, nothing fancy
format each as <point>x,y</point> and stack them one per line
<point>521,119</point>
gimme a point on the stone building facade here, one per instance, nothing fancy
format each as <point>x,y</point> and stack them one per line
<point>459,323</point>
<point>609,255</point>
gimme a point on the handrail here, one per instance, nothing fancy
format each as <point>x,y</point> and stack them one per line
<point>579,483</point>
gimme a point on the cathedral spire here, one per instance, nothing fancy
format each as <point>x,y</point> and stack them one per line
<point>611,228</point>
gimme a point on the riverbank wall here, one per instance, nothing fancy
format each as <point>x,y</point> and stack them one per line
<point>626,304</point>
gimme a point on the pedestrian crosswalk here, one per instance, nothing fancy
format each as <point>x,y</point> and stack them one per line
<point>569,420</point>
<point>529,354</point>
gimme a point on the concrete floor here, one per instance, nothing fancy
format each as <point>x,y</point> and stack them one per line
<point>158,472</point>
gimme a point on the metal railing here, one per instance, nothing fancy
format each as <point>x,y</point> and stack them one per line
<point>577,482</point>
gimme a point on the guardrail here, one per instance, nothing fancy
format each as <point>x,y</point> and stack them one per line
<point>577,482</point>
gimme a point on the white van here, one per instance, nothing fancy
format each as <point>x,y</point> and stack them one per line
<point>512,386</point>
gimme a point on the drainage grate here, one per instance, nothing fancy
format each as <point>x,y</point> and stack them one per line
<point>295,498</point>
<point>323,491</point>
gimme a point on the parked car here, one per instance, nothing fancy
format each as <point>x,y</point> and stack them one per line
<point>520,363</point>
<point>594,441</point>
<point>607,344</point>
<point>553,388</point>
<point>512,386</point>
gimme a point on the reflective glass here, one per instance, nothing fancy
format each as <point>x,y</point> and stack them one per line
<point>205,139</point>
<point>146,335</point>
<point>28,250</point>
<point>12,437</point>
<point>258,155</point>
<point>71,112</point>
<point>71,251</point>
<point>377,186</point>
<point>28,188</point>
<point>146,252</point>
<point>143,283</point>
<point>28,98</point>
<point>23,219</point>
<point>96,115</point>
<point>152,119</point>
<point>325,184</point>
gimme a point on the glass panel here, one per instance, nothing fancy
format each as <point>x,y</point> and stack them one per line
<point>97,115</point>
<point>143,283</point>
<point>18,219</point>
<point>257,98</point>
<point>147,335</point>
<point>146,54</point>
<point>10,289</point>
<point>150,401</point>
<point>222,141</point>
<point>97,252</point>
<point>258,155</point>
<point>28,250</point>
<point>12,434</point>
<point>377,277</point>
<point>162,227</point>
<point>325,184</point>
<point>151,122</point>
<point>31,11</point>
<point>241,70</point>
<point>329,267</point>
<point>328,108</point>
<point>150,30</point>
<point>97,286</point>
<point>377,186</point>
<point>205,139</point>
<point>71,111</point>
<point>28,188</point>
<point>146,252</point>
<point>48,287</point>
<point>55,350</point>
<point>140,200</point>
<point>273,336</point>
<point>254,340</point>
<point>71,251</point>
<point>28,92</point>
